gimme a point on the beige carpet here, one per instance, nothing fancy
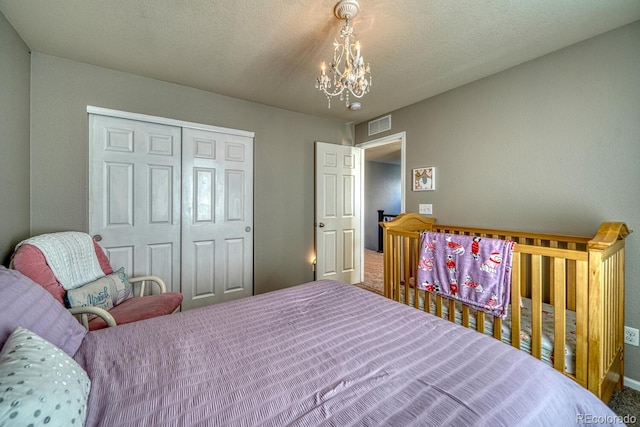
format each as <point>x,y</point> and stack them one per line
<point>373,272</point>
<point>626,403</point>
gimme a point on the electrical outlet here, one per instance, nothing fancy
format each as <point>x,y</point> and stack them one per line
<point>425,209</point>
<point>631,336</point>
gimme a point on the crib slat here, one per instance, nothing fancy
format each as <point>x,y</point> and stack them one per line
<point>390,282</point>
<point>427,302</point>
<point>525,262</point>
<point>516,286</point>
<point>465,316</point>
<point>480,321</point>
<point>415,250</point>
<point>536,306</point>
<point>605,356</point>
<point>552,244</point>
<point>395,282</point>
<point>406,266</point>
<point>497,328</point>
<point>560,317</point>
<point>452,310</point>
<point>582,326</point>
<point>398,266</point>
<point>386,262</point>
<point>571,280</point>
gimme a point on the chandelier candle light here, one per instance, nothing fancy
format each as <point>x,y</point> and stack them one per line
<point>355,77</point>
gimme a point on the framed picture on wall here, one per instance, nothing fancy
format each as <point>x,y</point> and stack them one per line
<point>424,179</point>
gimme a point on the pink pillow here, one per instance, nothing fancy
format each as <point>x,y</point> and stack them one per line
<point>30,261</point>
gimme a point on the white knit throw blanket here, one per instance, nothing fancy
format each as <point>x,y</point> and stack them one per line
<point>70,255</point>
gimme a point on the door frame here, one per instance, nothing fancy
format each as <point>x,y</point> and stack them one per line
<point>402,137</point>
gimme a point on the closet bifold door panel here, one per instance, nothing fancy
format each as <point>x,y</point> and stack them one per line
<point>217,217</point>
<point>134,195</point>
<point>174,200</point>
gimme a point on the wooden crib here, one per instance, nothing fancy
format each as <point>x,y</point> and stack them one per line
<point>582,275</point>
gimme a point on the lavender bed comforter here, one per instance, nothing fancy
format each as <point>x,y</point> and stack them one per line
<point>322,353</point>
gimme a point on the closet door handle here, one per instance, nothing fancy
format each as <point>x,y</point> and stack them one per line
<point>97,237</point>
<point>321,225</point>
<point>247,229</point>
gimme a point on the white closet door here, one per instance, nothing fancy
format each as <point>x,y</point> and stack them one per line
<point>134,195</point>
<point>217,217</point>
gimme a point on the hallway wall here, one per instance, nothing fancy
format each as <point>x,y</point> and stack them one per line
<point>382,190</point>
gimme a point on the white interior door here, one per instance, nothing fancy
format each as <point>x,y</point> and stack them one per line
<point>217,217</point>
<point>134,195</point>
<point>338,212</point>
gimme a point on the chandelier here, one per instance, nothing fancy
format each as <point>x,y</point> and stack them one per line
<point>352,77</point>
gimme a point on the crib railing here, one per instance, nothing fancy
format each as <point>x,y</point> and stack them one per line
<point>580,274</point>
<point>535,281</point>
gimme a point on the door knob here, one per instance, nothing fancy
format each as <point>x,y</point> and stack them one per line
<point>321,225</point>
<point>247,229</point>
<point>97,237</point>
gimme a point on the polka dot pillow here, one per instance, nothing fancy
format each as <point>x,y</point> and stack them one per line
<point>40,384</point>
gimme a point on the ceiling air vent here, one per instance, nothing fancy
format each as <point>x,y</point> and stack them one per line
<point>380,125</point>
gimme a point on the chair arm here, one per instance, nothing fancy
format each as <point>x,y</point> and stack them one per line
<point>100,312</point>
<point>153,279</point>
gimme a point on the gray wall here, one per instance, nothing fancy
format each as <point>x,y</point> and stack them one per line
<point>550,145</point>
<point>382,187</point>
<point>283,153</point>
<point>14,139</point>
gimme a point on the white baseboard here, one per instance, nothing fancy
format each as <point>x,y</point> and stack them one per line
<point>631,383</point>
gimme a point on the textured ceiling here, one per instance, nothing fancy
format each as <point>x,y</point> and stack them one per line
<point>270,51</point>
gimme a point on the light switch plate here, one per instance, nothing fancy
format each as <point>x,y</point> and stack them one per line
<point>425,208</point>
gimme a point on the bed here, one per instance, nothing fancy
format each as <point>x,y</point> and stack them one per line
<point>571,293</point>
<point>320,353</point>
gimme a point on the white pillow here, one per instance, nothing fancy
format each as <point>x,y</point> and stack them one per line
<point>106,292</point>
<point>40,383</point>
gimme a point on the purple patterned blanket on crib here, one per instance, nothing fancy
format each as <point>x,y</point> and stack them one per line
<point>473,270</point>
